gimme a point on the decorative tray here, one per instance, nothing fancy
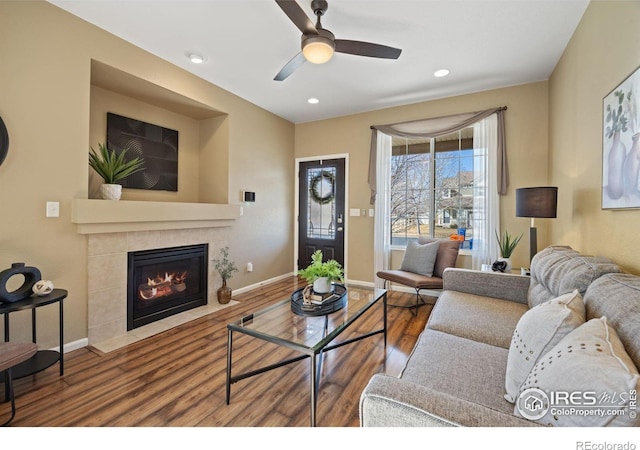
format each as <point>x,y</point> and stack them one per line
<point>335,303</point>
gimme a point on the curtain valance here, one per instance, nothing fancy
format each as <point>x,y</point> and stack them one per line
<point>440,126</point>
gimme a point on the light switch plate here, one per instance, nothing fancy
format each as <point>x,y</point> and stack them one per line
<point>53,209</point>
<point>354,212</point>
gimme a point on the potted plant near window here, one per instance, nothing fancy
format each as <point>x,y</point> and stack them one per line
<point>113,168</point>
<point>322,274</point>
<point>507,245</point>
<point>225,268</point>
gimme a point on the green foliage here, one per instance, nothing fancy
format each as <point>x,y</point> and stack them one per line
<point>318,269</point>
<point>507,244</point>
<point>111,167</point>
<point>616,116</point>
<point>223,265</point>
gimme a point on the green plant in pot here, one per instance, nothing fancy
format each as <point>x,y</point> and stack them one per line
<point>112,168</point>
<point>225,268</point>
<point>322,274</point>
<point>507,244</point>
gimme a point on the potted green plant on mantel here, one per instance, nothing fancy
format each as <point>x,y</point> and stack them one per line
<point>113,168</point>
<point>225,268</point>
<point>507,245</point>
<point>322,274</point>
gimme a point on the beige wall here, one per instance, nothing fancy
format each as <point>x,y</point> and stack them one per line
<point>45,87</point>
<point>604,50</point>
<point>527,137</point>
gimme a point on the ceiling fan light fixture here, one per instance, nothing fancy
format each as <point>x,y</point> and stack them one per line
<point>318,49</point>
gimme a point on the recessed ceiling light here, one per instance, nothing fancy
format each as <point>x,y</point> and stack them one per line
<point>195,58</point>
<point>313,101</point>
<point>441,73</point>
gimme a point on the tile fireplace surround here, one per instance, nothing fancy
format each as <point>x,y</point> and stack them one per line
<point>107,260</point>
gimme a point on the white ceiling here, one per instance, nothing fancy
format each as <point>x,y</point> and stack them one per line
<point>486,44</point>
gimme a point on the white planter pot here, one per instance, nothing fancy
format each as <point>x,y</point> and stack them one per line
<point>322,285</point>
<point>111,191</point>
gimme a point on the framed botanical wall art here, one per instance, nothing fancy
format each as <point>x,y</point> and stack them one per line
<point>620,146</point>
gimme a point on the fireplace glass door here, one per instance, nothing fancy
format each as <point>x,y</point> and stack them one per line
<point>163,282</point>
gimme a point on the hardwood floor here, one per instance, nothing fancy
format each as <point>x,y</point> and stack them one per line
<point>177,378</point>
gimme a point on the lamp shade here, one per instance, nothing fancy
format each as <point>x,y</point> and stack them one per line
<point>539,202</point>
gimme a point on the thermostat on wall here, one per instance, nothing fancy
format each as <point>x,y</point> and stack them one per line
<point>249,196</point>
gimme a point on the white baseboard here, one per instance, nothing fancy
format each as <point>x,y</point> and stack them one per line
<point>361,283</point>
<point>71,346</point>
<point>262,283</point>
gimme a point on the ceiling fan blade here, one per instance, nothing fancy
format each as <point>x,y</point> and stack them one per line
<point>297,16</point>
<point>290,67</point>
<point>367,49</point>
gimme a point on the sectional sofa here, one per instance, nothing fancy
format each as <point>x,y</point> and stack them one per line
<point>558,348</point>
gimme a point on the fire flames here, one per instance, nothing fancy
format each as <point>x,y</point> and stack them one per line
<point>161,286</point>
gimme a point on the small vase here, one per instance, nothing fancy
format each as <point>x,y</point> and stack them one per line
<point>322,285</point>
<point>224,293</point>
<point>111,191</point>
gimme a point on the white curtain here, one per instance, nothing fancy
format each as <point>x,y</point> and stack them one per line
<point>486,202</point>
<point>382,231</point>
<point>491,177</point>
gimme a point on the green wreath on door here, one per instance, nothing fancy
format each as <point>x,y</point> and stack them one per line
<point>315,192</point>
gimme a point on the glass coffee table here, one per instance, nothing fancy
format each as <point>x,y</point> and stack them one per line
<point>310,335</point>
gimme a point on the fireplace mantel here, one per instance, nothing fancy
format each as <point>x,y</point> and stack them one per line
<point>109,216</point>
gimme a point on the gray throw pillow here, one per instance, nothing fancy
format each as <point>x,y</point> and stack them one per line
<point>537,332</point>
<point>420,258</point>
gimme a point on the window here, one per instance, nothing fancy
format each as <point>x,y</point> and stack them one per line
<point>432,183</point>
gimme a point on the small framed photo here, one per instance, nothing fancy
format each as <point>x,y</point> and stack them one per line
<point>620,146</point>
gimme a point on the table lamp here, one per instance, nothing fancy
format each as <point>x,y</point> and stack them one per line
<point>536,202</point>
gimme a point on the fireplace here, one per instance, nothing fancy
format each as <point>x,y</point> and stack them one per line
<point>164,282</point>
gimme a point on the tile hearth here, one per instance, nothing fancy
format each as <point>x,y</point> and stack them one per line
<point>158,327</point>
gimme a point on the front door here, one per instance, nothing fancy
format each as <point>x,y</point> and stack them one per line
<point>321,208</point>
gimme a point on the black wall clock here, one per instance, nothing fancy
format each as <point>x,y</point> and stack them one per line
<point>4,141</point>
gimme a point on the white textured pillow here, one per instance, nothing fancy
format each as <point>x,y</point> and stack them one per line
<point>537,332</point>
<point>420,258</point>
<point>591,359</point>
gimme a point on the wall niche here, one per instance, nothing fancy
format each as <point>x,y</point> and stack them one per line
<point>203,169</point>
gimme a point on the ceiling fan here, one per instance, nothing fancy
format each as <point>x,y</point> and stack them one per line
<point>319,44</point>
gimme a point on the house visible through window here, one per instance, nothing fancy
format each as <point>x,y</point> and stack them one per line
<point>432,187</point>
